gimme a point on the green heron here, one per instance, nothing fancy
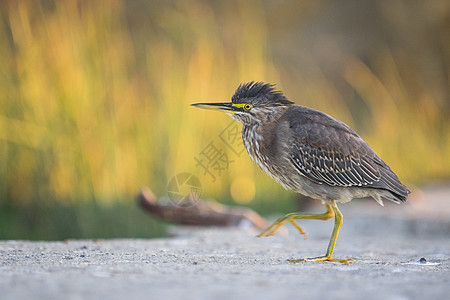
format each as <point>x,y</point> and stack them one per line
<point>311,153</point>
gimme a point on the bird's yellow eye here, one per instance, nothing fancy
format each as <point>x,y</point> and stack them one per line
<point>247,107</point>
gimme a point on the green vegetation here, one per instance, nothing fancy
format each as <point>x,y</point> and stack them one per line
<point>94,105</point>
<point>87,220</point>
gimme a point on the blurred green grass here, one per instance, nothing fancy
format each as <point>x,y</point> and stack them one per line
<point>94,104</point>
<point>87,220</point>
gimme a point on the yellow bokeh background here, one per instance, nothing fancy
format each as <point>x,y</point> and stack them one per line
<point>95,95</point>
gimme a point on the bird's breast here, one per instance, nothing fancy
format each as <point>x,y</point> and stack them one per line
<point>254,143</point>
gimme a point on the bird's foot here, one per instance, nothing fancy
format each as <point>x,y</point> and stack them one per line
<point>272,229</point>
<point>322,258</point>
<point>302,232</point>
<point>269,231</point>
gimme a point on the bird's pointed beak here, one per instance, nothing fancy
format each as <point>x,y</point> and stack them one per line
<point>225,107</point>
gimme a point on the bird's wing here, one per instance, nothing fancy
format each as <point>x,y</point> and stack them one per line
<point>327,151</point>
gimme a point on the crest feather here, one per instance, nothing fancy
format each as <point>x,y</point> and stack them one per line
<point>264,93</point>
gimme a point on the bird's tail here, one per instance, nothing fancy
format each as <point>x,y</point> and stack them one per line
<point>384,194</point>
<point>398,192</point>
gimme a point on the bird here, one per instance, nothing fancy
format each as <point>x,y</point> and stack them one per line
<point>311,153</point>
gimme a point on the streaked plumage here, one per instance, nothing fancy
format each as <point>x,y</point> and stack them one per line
<point>311,153</point>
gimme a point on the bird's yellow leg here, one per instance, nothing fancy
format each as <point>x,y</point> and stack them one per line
<point>332,243</point>
<point>272,229</point>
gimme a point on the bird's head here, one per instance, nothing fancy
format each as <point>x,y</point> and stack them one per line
<point>252,103</point>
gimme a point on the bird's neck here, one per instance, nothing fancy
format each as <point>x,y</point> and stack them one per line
<point>252,138</point>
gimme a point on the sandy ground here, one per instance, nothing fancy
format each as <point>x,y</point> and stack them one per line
<point>386,244</point>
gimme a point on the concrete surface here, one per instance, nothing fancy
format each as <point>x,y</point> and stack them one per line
<point>386,244</point>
